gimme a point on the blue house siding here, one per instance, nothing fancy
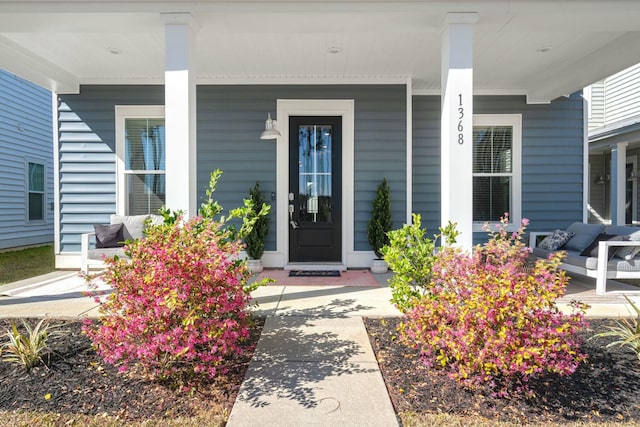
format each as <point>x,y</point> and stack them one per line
<point>230,119</point>
<point>86,124</point>
<point>552,155</point>
<point>25,136</point>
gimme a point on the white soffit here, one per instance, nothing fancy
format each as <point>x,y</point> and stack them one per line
<point>289,42</point>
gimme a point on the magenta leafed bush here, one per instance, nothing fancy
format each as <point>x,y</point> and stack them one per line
<point>179,306</point>
<point>491,318</point>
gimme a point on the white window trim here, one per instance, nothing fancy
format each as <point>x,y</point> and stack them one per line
<point>129,112</point>
<point>515,121</point>
<point>43,163</point>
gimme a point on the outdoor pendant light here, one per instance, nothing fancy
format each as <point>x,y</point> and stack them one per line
<point>270,131</point>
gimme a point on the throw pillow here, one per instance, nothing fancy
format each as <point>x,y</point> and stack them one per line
<point>629,253</point>
<point>134,225</point>
<point>592,249</point>
<point>555,240</point>
<point>583,235</point>
<point>109,236</point>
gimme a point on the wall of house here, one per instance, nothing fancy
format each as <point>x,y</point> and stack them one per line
<point>552,153</point>
<point>87,155</point>
<point>599,192</point>
<point>230,120</point>
<point>25,136</point>
<point>600,186</point>
<point>615,99</point>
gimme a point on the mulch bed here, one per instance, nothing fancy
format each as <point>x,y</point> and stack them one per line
<point>79,382</point>
<point>605,388</point>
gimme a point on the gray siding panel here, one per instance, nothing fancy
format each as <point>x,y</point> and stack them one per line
<point>86,133</point>
<point>230,119</point>
<point>25,136</point>
<point>552,152</point>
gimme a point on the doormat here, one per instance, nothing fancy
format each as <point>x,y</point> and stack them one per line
<point>346,278</point>
<point>314,273</point>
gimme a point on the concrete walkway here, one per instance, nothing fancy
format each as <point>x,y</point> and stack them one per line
<point>313,364</point>
<point>313,371</point>
<point>61,294</point>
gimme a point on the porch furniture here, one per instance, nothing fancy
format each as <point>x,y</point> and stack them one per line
<point>108,240</point>
<point>593,250</point>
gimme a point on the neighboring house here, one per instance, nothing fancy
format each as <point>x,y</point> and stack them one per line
<point>614,147</point>
<point>26,163</point>
<point>469,109</point>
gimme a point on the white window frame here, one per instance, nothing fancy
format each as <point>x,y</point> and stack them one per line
<point>515,121</point>
<point>43,163</point>
<point>123,112</point>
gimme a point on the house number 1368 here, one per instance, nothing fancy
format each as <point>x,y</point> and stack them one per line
<point>460,116</point>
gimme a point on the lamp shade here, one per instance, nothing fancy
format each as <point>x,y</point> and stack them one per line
<point>270,131</point>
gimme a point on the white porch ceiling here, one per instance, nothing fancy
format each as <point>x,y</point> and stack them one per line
<point>63,44</point>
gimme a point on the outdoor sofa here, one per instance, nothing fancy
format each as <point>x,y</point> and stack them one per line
<point>108,239</point>
<point>593,250</point>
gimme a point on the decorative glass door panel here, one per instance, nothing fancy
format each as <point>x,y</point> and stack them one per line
<point>315,185</point>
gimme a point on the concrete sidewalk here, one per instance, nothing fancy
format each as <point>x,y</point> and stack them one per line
<point>61,294</point>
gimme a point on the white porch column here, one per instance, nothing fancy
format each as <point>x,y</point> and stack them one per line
<point>180,112</point>
<point>618,178</point>
<point>457,125</point>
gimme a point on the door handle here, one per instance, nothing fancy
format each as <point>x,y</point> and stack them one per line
<point>292,222</point>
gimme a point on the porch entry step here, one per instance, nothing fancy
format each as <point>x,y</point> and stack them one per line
<point>317,266</point>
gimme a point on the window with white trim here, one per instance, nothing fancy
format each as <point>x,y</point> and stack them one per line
<point>35,191</point>
<point>140,147</point>
<point>497,160</point>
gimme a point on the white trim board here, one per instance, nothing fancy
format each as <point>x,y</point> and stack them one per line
<point>314,107</point>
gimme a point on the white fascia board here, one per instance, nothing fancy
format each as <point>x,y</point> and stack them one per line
<point>248,81</point>
<point>301,80</point>
<point>476,92</point>
<point>37,70</point>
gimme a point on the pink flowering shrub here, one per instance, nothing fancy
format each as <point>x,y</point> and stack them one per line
<point>490,317</point>
<point>179,305</point>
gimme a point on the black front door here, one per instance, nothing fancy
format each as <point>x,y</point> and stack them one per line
<point>315,189</point>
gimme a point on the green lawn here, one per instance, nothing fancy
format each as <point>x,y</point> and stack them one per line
<point>22,264</point>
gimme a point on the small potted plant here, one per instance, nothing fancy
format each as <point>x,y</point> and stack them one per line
<point>256,238</point>
<point>380,225</point>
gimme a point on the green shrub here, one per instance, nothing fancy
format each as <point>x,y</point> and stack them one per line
<point>256,238</point>
<point>410,254</point>
<point>380,222</point>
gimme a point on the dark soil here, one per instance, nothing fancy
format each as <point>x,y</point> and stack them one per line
<point>74,379</point>
<point>605,388</point>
